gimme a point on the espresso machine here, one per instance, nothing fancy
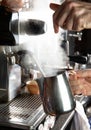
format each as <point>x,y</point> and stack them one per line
<point>17,108</point>
<point>79,49</point>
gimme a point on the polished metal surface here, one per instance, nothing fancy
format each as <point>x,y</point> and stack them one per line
<point>63,121</point>
<point>56,94</point>
<point>10,77</point>
<point>28,27</point>
<point>25,27</point>
<point>25,112</point>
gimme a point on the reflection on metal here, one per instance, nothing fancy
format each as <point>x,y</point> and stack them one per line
<point>25,112</point>
<point>29,27</point>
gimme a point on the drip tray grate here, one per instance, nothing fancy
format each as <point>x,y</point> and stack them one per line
<point>24,111</point>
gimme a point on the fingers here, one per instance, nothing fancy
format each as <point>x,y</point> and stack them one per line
<point>71,15</point>
<point>79,87</point>
<point>84,73</point>
<point>59,16</point>
<point>62,16</point>
<point>54,7</point>
<point>80,82</point>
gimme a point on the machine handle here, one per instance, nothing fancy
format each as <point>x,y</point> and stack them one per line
<point>79,59</point>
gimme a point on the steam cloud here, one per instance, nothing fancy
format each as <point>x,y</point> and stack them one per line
<point>46,47</point>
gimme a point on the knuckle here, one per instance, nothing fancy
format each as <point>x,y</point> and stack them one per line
<point>70,4</point>
<point>74,11</point>
<point>79,21</point>
<point>77,24</point>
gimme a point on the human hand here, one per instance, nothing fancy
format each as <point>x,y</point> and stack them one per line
<point>12,5</point>
<point>71,15</point>
<point>80,82</point>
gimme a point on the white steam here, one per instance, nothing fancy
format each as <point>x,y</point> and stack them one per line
<point>46,47</point>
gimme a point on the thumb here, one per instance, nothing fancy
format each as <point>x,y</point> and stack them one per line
<point>54,6</point>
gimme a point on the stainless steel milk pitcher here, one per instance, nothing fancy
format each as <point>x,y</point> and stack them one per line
<point>56,94</point>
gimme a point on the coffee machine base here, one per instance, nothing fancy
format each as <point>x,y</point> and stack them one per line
<point>23,112</point>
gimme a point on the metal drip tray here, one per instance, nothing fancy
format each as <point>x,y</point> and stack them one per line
<point>25,112</point>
